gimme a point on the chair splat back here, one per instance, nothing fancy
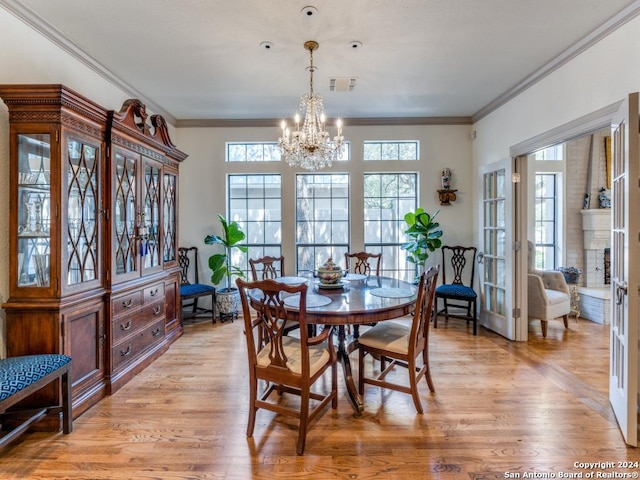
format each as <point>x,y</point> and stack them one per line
<point>269,267</point>
<point>458,263</point>
<point>363,262</point>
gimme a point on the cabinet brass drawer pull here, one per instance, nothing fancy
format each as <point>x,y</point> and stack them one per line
<point>126,326</point>
<point>157,309</point>
<point>156,332</point>
<point>154,292</point>
<point>124,353</point>
<point>128,303</point>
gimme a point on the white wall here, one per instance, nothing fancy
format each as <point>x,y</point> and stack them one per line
<point>203,177</point>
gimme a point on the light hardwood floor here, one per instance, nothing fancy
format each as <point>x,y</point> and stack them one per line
<point>500,408</point>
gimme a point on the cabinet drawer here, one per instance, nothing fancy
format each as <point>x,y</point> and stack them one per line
<point>138,343</point>
<point>126,325</point>
<point>154,293</point>
<point>126,303</point>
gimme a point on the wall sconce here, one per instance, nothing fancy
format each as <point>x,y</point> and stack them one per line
<point>446,193</point>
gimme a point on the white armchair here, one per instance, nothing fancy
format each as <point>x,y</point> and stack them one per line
<point>548,294</point>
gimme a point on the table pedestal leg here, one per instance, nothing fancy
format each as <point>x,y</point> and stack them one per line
<point>343,358</point>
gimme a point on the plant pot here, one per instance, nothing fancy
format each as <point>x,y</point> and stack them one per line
<point>228,303</point>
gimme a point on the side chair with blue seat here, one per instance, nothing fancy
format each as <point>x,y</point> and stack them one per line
<point>458,273</point>
<point>190,288</point>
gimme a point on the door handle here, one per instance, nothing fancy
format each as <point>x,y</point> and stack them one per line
<point>621,291</point>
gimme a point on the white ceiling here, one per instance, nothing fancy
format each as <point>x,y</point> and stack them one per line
<point>202,59</point>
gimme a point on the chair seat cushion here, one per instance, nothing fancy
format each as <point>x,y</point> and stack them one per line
<point>555,296</point>
<point>196,289</point>
<point>390,335</point>
<point>17,373</point>
<point>318,355</point>
<point>456,291</point>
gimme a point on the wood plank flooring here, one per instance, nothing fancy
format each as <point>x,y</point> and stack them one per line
<point>500,410</point>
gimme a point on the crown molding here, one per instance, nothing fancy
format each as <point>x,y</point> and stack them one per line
<point>57,37</point>
<point>625,15</point>
<point>347,122</point>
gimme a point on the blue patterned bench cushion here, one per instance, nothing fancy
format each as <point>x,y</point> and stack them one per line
<point>456,291</point>
<point>186,290</point>
<point>17,373</point>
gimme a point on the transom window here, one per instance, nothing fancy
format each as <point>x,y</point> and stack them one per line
<point>405,150</point>
<point>555,152</point>
<point>322,219</point>
<point>255,203</point>
<point>387,197</point>
<point>253,152</point>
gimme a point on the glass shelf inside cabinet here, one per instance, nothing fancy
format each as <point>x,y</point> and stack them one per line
<point>34,209</point>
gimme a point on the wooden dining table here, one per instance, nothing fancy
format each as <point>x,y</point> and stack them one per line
<point>356,300</point>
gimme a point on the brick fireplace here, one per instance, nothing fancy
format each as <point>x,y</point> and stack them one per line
<point>595,295</point>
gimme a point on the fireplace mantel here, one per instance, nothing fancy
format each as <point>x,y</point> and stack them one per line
<point>596,225</point>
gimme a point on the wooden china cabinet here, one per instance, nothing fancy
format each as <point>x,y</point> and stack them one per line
<point>142,270</point>
<point>79,283</point>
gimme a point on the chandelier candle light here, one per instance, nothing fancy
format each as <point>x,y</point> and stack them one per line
<point>311,146</point>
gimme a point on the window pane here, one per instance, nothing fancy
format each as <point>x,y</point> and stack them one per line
<point>322,218</point>
<point>384,223</point>
<point>255,203</point>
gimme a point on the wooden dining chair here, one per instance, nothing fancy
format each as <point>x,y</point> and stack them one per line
<point>458,274</point>
<point>402,344</point>
<point>190,287</point>
<point>288,365</point>
<point>362,262</point>
<point>266,267</point>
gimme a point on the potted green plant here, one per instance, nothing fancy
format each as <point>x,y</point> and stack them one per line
<point>424,236</point>
<point>227,298</point>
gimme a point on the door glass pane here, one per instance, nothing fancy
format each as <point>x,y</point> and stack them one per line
<point>34,210</point>
<point>150,248</point>
<point>82,213</point>
<point>169,217</point>
<point>124,214</point>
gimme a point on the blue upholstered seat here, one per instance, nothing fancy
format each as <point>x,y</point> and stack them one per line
<point>457,291</point>
<point>18,373</point>
<point>196,289</point>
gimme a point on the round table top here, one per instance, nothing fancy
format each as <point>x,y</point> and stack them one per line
<point>361,300</point>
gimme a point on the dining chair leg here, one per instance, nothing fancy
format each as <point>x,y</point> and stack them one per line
<point>253,393</point>
<point>427,373</point>
<point>413,382</point>
<point>304,420</point>
<point>360,372</point>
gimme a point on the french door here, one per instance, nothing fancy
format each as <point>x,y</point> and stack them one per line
<point>625,257</point>
<point>495,269</point>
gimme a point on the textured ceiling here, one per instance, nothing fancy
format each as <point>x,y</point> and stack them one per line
<point>202,59</point>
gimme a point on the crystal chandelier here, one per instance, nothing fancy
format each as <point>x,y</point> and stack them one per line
<point>310,146</point>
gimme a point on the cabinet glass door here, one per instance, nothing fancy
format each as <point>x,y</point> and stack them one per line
<point>169,195</point>
<point>124,215</point>
<point>82,212</point>
<point>150,248</point>
<point>34,210</point>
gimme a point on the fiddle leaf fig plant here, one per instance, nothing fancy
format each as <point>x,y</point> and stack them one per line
<point>220,263</point>
<point>424,236</point>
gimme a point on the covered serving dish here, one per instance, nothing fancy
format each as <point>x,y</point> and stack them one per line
<point>329,273</point>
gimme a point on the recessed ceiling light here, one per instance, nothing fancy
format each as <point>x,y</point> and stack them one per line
<point>266,45</point>
<point>355,44</point>
<point>309,11</point>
